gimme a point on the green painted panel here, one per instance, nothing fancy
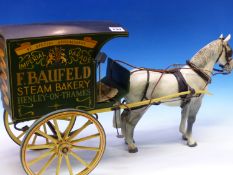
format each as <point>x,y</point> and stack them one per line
<point>51,73</point>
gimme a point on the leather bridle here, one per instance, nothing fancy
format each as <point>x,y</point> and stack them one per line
<point>228,58</point>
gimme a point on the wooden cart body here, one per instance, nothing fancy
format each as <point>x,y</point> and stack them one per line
<point>47,67</point>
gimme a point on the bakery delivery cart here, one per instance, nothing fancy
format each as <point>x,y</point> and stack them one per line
<point>49,93</point>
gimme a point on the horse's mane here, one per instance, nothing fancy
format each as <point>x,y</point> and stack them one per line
<point>210,51</point>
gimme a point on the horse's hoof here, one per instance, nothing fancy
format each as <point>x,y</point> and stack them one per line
<point>192,145</point>
<point>133,150</point>
<point>184,137</point>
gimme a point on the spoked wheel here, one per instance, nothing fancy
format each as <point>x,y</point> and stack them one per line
<point>17,135</point>
<point>74,150</point>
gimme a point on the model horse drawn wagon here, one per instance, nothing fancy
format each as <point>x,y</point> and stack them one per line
<point>51,92</point>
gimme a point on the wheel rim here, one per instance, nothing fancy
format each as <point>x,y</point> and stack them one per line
<point>71,149</point>
<point>15,135</point>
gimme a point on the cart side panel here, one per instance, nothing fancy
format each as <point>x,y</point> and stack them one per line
<point>51,73</point>
<point>4,77</point>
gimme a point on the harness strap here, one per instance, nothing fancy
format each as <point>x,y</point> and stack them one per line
<point>147,85</point>
<point>183,86</point>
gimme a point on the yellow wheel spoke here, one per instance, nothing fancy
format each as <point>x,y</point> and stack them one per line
<point>45,130</point>
<point>85,138</point>
<point>42,146</point>
<point>47,164</point>
<point>59,161</point>
<point>34,139</point>
<point>21,135</point>
<point>68,164</point>
<point>86,148</point>
<point>57,129</point>
<point>43,156</point>
<point>46,136</point>
<point>79,130</point>
<point>69,127</point>
<point>79,159</point>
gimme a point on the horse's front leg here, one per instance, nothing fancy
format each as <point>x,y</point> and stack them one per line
<point>190,140</point>
<point>195,105</point>
<point>184,117</point>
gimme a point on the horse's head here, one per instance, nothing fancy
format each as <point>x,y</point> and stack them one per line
<point>224,60</point>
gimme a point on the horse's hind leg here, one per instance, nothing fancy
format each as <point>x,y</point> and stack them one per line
<point>195,105</point>
<point>130,124</point>
<point>124,116</point>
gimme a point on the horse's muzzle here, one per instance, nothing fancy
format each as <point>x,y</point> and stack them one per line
<point>227,68</point>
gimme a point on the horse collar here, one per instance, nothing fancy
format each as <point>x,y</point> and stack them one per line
<point>201,73</point>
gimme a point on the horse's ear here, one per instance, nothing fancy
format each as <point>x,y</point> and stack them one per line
<point>227,38</point>
<point>221,36</point>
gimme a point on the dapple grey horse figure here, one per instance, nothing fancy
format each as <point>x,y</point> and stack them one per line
<point>197,74</point>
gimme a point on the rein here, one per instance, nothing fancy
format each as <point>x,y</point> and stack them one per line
<point>219,71</point>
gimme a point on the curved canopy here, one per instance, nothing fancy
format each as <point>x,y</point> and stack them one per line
<point>58,29</point>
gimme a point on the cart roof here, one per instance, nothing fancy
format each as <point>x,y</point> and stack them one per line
<point>58,29</point>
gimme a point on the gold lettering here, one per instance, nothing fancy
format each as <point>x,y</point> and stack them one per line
<point>26,89</point>
<point>60,74</point>
<point>87,83</point>
<point>77,75</point>
<point>86,72</point>
<point>19,91</point>
<point>81,84</point>
<point>40,90</point>
<point>58,87</point>
<point>19,78</point>
<point>47,89</point>
<point>33,90</point>
<point>75,83</point>
<point>32,78</point>
<point>42,77</point>
<point>56,75</point>
<point>52,75</point>
<point>69,73</point>
<point>69,85</point>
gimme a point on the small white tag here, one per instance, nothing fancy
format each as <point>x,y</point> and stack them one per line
<point>116,29</point>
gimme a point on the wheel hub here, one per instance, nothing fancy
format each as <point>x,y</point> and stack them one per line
<point>64,148</point>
